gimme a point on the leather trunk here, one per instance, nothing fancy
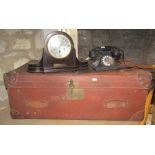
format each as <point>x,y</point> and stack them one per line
<point>109,95</point>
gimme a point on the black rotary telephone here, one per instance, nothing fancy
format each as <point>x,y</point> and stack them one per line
<point>106,58</point>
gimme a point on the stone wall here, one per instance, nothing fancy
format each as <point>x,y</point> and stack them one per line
<point>17,47</point>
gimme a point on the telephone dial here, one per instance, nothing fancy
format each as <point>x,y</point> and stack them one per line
<point>106,58</point>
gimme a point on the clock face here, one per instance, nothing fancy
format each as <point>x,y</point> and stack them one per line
<point>59,46</point>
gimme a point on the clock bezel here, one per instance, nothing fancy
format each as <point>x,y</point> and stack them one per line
<point>58,33</point>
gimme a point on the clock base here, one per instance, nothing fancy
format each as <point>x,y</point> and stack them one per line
<point>37,67</point>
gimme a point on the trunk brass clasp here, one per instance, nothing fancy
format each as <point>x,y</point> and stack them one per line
<point>71,84</point>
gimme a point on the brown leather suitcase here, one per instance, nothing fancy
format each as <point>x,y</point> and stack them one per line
<point>110,95</point>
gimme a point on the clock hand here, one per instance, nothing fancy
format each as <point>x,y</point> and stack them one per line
<point>59,51</point>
